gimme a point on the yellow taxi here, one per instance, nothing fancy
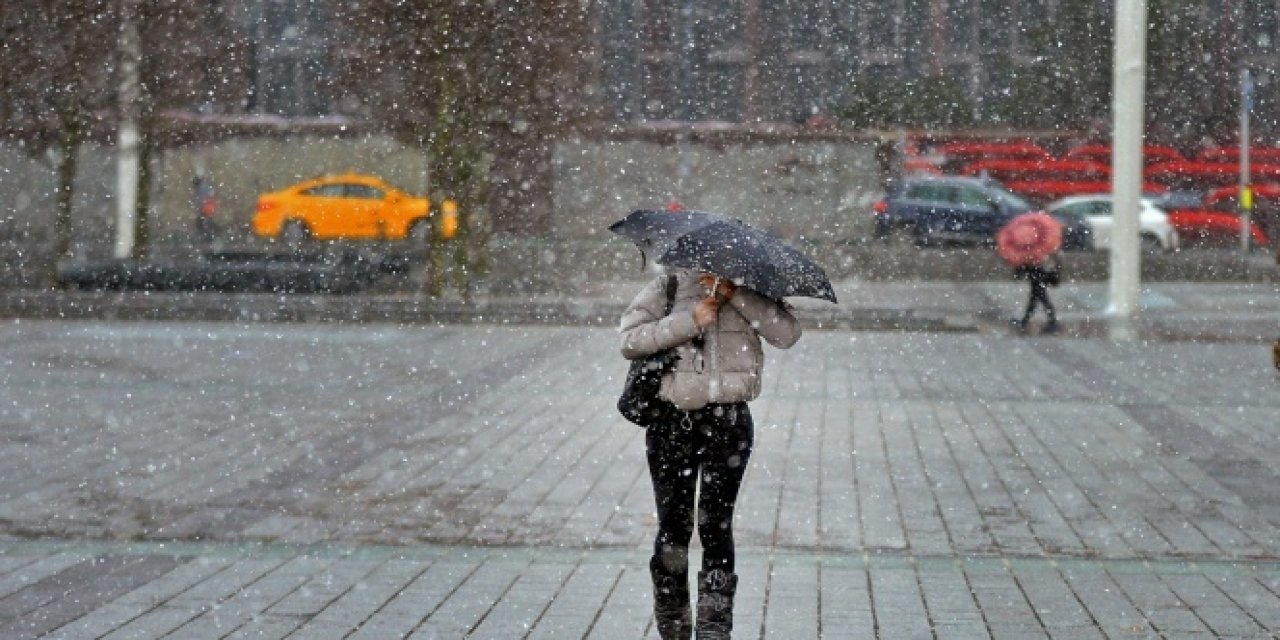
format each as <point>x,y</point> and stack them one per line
<point>349,206</point>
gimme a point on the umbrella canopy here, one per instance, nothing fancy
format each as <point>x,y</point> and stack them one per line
<point>1029,239</point>
<point>727,247</point>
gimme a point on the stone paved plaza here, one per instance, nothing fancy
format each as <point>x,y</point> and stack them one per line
<point>199,480</point>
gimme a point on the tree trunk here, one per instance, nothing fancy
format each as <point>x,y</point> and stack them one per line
<point>141,222</point>
<point>68,149</point>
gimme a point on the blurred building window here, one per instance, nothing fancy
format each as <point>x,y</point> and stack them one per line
<point>786,60</point>
<point>292,62</point>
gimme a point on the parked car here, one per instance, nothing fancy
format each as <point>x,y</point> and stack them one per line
<point>1199,225</point>
<point>1077,235</point>
<point>1208,228</point>
<point>1154,230</point>
<point>1266,204</point>
<point>1040,192</point>
<point>931,210</point>
<point>1170,200</point>
<point>347,206</point>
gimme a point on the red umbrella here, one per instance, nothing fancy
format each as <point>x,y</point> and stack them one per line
<point>1029,239</point>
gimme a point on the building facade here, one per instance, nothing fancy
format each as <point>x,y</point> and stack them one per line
<point>776,61</point>
<point>785,61</point>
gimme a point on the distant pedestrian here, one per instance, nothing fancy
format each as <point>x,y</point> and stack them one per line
<point>1040,277</point>
<point>205,205</point>
<point>715,329</point>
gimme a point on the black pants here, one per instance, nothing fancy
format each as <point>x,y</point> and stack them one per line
<point>1040,294</point>
<point>713,445</point>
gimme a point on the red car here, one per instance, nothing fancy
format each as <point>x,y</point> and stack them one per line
<point>1207,228</point>
<point>1266,204</point>
<point>1224,198</point>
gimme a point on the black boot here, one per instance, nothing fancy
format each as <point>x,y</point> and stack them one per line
<point>715,604</point>
<point>671,602</point>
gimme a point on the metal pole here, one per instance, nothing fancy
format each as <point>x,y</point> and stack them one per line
<point>1246,194</point>
<point>685,61</point>
<point>127,132</point>
<point>1126,154</point>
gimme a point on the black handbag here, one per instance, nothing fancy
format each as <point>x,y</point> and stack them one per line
<point>1053,277</point>
<point>639,401</point>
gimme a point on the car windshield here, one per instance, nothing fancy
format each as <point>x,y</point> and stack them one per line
<point>1067,211</point>
<point>1011,202</point>
<point>1177,200</point>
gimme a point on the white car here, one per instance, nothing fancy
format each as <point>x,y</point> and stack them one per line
<point>1154,231</point>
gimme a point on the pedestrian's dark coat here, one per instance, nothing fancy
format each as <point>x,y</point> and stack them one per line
<point>1038,275</point>
<point>1041,278</point>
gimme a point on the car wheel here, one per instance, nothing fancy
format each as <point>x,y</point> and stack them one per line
<point>419,232</point>
<point>901,236</point>
<point>294,234</point>
<point>930,236</point>
<point>1149,243</point>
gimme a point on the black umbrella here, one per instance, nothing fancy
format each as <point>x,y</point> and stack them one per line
<point>727,247</point>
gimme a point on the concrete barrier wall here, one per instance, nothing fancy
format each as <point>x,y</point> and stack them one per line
<point>28,204</point>
<point>240,170</point>
<point>802,190</point>
<point>813,193</point>
<point>817,195</point>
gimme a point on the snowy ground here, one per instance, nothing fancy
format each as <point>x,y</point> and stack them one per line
<point>977,482</point>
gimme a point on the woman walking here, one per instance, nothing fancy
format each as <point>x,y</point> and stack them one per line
<point>715,329</point>
<point>1040,277</point>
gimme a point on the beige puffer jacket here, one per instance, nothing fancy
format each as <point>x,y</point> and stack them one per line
<point>727,368</point>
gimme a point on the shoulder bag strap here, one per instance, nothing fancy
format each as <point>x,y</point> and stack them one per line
<point>671,295</point>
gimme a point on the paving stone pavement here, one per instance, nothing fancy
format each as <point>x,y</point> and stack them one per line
<point>191,480</point>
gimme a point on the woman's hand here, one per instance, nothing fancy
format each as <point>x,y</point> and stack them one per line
<point>723,288</point>
<point>706,311</point>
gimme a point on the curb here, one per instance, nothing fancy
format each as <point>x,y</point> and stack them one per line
<point>400,309</point>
